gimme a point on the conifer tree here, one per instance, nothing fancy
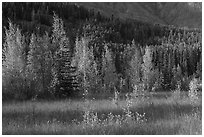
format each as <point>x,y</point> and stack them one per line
<point>199,68</point>
<point>39,64</point>
<point>109,74</point>
<point>58,33</point>
<point>135,67</point>
<point>61,71</point>
<point>177,75</point>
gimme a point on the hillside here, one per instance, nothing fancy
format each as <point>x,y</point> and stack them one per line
<point>177,14</point>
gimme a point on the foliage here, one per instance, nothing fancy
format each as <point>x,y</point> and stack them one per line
<point>109,75</point>
<point>199,69</point>
<point>158,81</point>
<point>135,67</point>
<point>58,39</point>
<point>147,68</point>
<point>61,71</point>
<point>177,92</point>
<point>193,93</point>
<point>116,97</point>
<point>91,119</point>
<point>13,67</point>
<point>86,65</point>
<point>177,75</point>
<point>90,52</point>
<point>39,61</point>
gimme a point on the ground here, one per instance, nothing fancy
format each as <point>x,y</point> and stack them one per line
<point>163,115</point>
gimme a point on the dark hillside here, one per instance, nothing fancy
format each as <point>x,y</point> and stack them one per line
<point>168,13</point>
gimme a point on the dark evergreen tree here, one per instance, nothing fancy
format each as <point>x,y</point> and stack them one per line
<point>63,79</point>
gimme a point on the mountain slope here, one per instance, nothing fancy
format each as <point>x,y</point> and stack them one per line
<point>178,14</point>
<point>182,14</point>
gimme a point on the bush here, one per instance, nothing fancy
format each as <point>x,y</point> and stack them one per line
<point>192,93</point>
<point>185,83</point>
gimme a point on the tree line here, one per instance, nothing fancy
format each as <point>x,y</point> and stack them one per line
<point>36,17</point>
<point>50,66</point>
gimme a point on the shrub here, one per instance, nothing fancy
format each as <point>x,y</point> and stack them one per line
<point>192,93</point>
<point>185,81</point>
<point>116,97</point>
<point>177,92</point>
<point>158,80</point>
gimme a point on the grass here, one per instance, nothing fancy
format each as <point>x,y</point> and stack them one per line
<point>163,116</point>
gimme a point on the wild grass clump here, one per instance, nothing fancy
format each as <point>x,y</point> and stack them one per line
<point>109,125</point>
<point>191,124</point>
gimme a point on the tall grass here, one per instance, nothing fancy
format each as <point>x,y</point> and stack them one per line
<point>162,116</point>
<point>180,125</point>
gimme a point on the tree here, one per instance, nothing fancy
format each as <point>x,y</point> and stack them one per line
<point>62,80</point>
<point>147,69</point>
<point>177,76</point>
<point>86,65</point>
<point>199,68</point>
<point>39,64</point>
<point>109,74</point>
<point>58,34</point>
<point>13,67</point>
<point>135,67</point>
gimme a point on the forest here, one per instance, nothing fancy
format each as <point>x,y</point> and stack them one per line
<point>63,51</point>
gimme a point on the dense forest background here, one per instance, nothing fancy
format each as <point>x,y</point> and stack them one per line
<point>60,50</point>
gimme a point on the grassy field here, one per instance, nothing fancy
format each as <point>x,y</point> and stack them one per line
<point>163,115</point>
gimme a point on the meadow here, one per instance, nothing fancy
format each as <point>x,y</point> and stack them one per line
<point>160,113</point>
